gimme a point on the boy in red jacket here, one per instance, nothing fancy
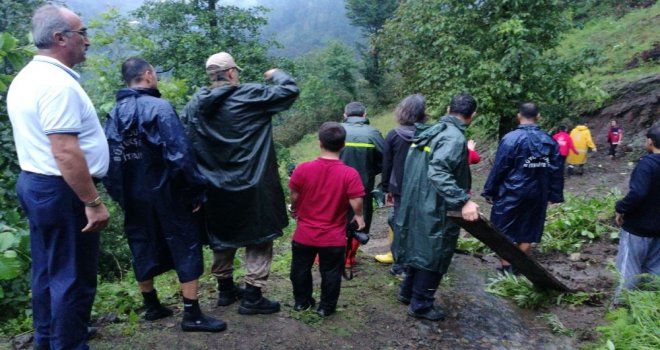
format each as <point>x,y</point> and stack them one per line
<point>614,137</point>
<point>321,192</point>
<point>565,144</point>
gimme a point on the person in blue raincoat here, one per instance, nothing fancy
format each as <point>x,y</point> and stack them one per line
<point>527,174</point>
<point>154,178</point>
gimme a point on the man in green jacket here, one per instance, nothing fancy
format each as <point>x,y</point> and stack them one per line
<point>436,179</point>
<point>229,124</point>
<point>364,152</point>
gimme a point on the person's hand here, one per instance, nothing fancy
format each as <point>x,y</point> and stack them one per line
<point>389,199</point>
<point>595,149</point>
<point>471,145</point>
<point>470,211</point>
<point>618,219</point>
<point>97,218</point>
<point>197,207</point>
<point>359,220</point>
<point>269,74</point>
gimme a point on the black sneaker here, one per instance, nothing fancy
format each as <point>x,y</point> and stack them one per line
<point>432,314</point>
<point>202,324</point>
<point>302,307</point>
<point>261,306</point>
<point>323,312</point>
<point>228,297</point>
<point>156,312</point>
<point>403,299</point>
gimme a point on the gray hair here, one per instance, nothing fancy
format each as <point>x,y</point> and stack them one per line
<point>48,19</point>
<point>411,110</point>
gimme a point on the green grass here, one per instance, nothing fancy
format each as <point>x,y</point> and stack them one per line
<point>580,219</point>
<point>616,40</point>
<point>525,295</point>
<point>636,326</point>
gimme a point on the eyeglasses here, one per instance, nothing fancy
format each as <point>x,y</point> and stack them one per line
<point>82,32</point>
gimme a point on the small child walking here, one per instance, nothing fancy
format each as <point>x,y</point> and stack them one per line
<point>321,192</point>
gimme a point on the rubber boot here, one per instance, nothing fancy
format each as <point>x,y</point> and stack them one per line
<point>387,258</point>
<point>228,292</point>
<point>254,303</point>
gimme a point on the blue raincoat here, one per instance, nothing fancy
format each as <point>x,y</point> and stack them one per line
<point>154,178</point>
<point>527,174</point>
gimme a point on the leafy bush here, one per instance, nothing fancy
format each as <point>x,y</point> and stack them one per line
<point>577,220</point>
<point>555,324</point>
<point>638,326</point>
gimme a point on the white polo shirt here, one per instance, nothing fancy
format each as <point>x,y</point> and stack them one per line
<point>45,98</point>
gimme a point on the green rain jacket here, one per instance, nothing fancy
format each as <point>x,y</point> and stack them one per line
<point>364,153</point>
<point>436,179</point>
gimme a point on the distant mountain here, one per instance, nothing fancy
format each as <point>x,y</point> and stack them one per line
<point>299,25</point>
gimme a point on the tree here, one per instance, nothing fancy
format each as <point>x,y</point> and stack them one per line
<point>501,51</point>
<point>15,17</point>
<point>186,33</point>
<point>370,15</point>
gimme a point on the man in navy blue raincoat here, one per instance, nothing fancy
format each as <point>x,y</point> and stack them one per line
<point>153,176</point>
<point>527,174</point>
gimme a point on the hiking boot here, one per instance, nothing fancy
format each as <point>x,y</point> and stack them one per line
<point>386,258</point>
<point>156,312</point>
<point>202,323</point>
<point>432,314</point>
<point>254,303</point>
<point>228,292</point>
<point>304,306</point>
<point>403,299</point>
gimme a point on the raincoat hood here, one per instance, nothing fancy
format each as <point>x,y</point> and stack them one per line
<point>207,100</point>
<point>126,111</point>
<point>406,132</point>
<point>538,144</point>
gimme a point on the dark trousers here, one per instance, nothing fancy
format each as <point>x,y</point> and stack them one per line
<point>331,265</point>
<point>420,286</point>
<point>64,261</point>
<point>391,220</point>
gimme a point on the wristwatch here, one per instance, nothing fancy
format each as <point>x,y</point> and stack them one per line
<point>94,203</point>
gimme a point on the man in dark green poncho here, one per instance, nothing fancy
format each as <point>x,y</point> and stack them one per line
<point>436,179</point>
<point>230,127</point>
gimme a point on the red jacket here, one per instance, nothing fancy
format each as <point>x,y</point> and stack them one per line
<point>565,143</point>
<point>473,157</point>
<point>614,136</point>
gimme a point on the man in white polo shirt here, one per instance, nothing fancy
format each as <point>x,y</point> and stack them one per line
<point>61,150</point>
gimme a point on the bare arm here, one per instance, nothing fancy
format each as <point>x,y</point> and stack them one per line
<point>71,162</point>
<point>294,199</point>
<point>356,204</point>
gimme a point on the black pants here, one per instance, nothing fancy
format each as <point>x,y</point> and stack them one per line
<point>420,286</point>
<point>331,264</point>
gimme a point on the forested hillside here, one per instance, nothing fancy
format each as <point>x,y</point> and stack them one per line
<point>592,59</point>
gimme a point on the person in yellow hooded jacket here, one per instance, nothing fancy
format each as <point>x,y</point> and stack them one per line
<point>582,141</point>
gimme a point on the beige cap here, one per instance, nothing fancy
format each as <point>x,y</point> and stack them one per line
<point>223,61</point>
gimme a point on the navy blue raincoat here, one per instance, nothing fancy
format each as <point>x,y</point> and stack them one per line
<point>527,174</point>
<point>154,178</point>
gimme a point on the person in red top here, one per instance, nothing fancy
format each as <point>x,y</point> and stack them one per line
<point>565,144</point>
<point>321,192</point>
<point>614,137</point>
<point>473,156</point>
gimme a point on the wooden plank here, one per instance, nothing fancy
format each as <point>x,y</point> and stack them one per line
<point>484,231</point>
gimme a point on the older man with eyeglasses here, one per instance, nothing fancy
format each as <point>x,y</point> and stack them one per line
<point>61,150</point>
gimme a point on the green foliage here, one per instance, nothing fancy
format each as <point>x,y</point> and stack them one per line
<point>555,324</point>
<point>188,32</point>
<point>578,220</point>
<point>615,41</point>
<point>637,326</point>
<point>15,16</point>
<point>526,296</point>
<point>327,79</point>
<point>471,245</point>
<point>502,52</point>
<point>370,15</point>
